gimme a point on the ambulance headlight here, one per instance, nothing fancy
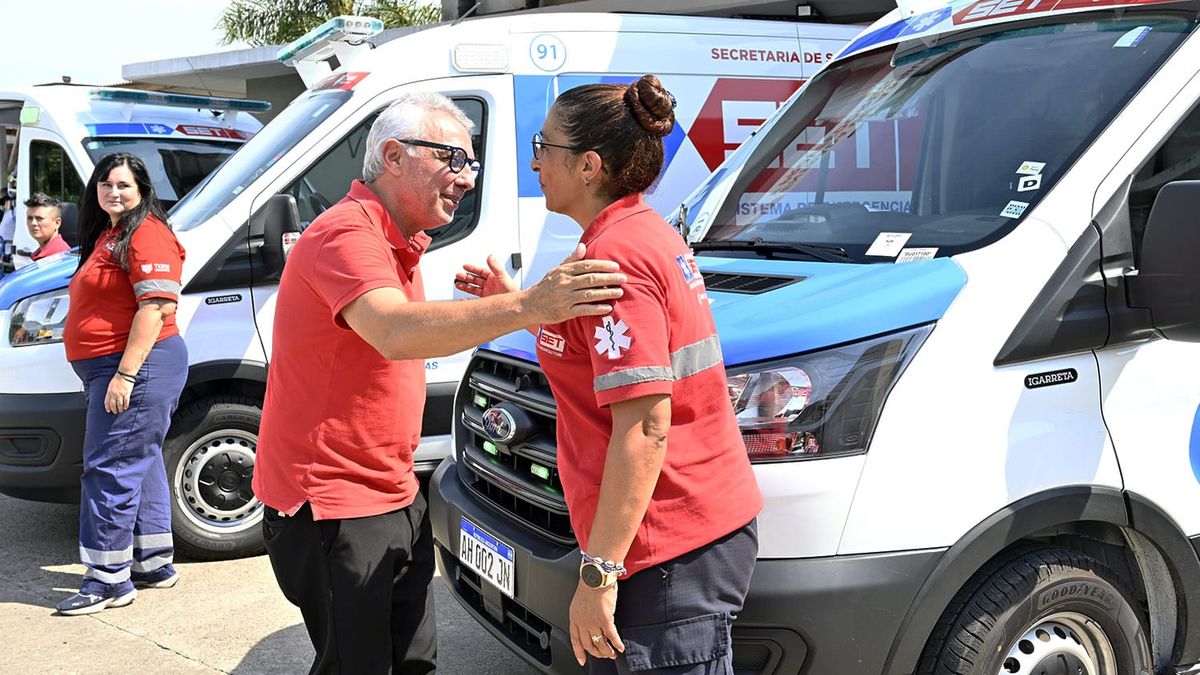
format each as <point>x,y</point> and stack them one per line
<point>823,403</point>
<point>39,319</point>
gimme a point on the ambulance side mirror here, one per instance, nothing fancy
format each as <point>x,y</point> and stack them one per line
<point>1167,281</point>
<point>280,223</point>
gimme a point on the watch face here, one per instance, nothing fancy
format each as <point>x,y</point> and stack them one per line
<point>592,578</point>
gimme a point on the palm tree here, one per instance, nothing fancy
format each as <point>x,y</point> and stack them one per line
<point>275,22</point>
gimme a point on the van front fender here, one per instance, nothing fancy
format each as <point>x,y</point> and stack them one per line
<point>1040,514</point>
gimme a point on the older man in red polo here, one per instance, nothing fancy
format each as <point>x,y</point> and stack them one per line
<point>346,528</point>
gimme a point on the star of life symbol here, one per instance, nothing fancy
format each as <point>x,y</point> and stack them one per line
<point>159,129</point>
<point>924,22</point>
<point>611,337</point>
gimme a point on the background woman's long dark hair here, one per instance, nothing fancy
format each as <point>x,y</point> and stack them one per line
<point>93,220</point>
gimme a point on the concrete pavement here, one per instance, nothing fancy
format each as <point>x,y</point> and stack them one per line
<point>222,617</point>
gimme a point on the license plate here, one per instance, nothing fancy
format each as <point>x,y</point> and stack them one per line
<point>489,557</point>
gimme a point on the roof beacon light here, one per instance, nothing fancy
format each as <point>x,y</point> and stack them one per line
<point>342,36</point>
<point>178,100</point>
<point>481,58</point>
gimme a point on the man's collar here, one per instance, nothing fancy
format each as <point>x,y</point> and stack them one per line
<point>407,246</point>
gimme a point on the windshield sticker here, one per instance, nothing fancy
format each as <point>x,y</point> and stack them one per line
<point>1031,168</point>
<point>888,244</point>
<point>1133,37</point>
<point>548,53</point>
<point>1027,183</point>
<point>1015,209</point>
<point>915,254</point>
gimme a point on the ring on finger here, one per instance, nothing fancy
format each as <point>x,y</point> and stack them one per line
<point>596,639</point>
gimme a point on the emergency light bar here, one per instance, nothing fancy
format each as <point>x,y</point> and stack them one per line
<point>318,44</point>
<point>178,100</point>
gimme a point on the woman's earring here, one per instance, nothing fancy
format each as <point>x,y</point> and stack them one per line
<point>586,181</point>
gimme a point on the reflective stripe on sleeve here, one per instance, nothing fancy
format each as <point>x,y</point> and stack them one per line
<point>691,359</point>
<point>685,362</point>
<point>156,286</point>
<point>624,378</point>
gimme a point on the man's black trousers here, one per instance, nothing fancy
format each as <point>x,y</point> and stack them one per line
<point>362,585</point>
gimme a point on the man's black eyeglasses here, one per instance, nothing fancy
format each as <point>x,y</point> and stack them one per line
<point>540,145</point>
<point>457,160</point>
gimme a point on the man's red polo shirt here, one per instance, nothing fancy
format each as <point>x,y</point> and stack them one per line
<point>104,297</point>
<point>340,421</point>
<point>55,245</point>
<point>659,339</point>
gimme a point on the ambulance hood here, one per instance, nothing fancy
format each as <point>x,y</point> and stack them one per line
<point>813,305</point>
<point>43,276</point>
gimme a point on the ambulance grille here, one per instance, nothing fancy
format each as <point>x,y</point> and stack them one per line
<point>746,284</point>
<point>519,480</point>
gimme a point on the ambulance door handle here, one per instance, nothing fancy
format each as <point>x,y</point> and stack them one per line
<point>515,261</point>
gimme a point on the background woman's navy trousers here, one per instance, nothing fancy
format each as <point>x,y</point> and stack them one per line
<point>125,502</point>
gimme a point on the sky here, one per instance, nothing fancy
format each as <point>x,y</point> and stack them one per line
<point>42,40</point>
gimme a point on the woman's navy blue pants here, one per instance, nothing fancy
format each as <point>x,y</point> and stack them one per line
<point>125,501</point>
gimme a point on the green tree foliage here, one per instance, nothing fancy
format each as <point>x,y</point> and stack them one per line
<point>277,22</point>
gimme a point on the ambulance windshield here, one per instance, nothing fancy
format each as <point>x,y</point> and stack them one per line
<point>257,156</point>
<point>935,150</point>
<point>175,166</point>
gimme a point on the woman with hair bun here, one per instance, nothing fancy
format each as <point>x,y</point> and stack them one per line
<point>656,477</point>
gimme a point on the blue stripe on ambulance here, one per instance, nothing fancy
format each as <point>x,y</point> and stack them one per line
<point>908,28</point>
<point>1194,445</point>
<point>834,304</point>
<point>128,128</point>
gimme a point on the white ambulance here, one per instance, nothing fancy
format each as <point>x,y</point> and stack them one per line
<point>61,130</point>
<point>956,285</point>
<point>727,75</point>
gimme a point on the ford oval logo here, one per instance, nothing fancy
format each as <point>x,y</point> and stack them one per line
<point>499,424</point>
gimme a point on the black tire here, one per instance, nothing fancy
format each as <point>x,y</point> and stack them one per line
<point>209,454</point>
<point>1042,611</point>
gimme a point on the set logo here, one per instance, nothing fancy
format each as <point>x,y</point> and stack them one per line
<point>734,108</point>
<point>551,342</point>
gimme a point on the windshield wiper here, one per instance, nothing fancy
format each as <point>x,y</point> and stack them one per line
<point>822,252</point>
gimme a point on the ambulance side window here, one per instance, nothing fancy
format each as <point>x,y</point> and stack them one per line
<point>51,172</point>
<point>1177,159</point>
<point>328,180</point>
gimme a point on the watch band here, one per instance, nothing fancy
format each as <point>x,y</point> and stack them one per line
<point>605,565</point>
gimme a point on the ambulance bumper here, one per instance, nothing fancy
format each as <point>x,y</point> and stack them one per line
<point>802,616</point>
<point>41,446</point>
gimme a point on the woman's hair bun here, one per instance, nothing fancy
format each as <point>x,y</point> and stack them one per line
<point>652,105</point>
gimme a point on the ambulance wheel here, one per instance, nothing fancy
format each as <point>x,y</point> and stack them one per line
<point>1049,611</point>
<point>209,454</point>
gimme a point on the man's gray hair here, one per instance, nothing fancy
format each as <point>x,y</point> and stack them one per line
<point>407,117</point>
